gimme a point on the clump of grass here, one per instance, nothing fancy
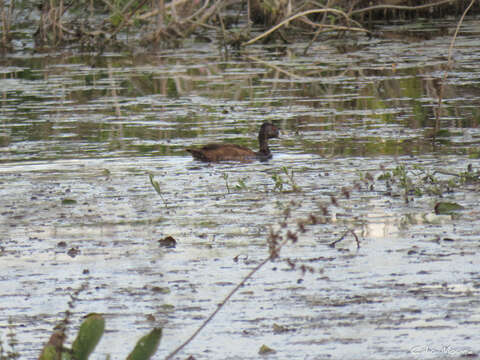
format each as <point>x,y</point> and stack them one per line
<point>225,177</point>
<point>241,184</point>
<point>280,184</point>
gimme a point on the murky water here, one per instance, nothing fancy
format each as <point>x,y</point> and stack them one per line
<point>79,136</point>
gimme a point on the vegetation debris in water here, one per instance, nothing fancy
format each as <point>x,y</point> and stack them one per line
<point>168,242</point>
<point>265,350</point>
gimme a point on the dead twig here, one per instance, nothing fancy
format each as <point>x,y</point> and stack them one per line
<point>183,28</point>
<point>199,11</point>
<point>207,13</point>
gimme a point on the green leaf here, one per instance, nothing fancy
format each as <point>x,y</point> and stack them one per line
<point>146,346</point>
<point>116,19</point>
<point>88,336</point>
<point>52,349</point>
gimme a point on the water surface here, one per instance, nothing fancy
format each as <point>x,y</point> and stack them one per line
<point>80,134</point>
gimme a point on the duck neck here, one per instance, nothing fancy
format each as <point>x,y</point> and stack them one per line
<point>263,142</point>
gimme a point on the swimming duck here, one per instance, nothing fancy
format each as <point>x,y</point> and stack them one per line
<point>230,152</point>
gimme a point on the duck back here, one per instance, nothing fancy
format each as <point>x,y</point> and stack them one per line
<point>222,152</point>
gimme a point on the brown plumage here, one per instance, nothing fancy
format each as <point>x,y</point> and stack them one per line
<point>231,152</point>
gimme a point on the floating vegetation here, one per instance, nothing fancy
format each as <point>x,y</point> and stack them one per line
<point>265,350</point>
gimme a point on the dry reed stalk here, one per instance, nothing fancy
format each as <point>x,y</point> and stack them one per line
<point>51,19</point>
<point>4,25</point>
<point>160,15</point>
<point>59,20</point>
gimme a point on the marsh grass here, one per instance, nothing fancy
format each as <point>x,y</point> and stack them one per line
<point>9,352</point>
<point>225,178</point>
<point>281,183</point>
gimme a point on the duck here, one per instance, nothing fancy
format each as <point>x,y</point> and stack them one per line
<point>216,152</point>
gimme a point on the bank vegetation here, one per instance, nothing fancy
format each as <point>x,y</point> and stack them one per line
<point>111,24</point>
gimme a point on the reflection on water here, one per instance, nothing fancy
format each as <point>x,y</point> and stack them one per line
<point>374,100</point>
<point>91,130</point>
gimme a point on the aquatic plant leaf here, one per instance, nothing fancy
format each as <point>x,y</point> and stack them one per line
<point>49,353</point>
<point>88,336</point>
<point>146,346</point>
<point>155,184</point>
